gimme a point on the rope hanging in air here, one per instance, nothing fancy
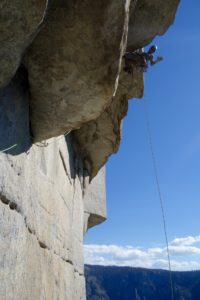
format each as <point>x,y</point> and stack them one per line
<point>160,196</point>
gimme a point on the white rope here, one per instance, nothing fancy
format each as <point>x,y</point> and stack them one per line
<point>160,196</point>
<point>9,148</point>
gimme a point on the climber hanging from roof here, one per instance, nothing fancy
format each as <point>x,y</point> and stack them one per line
<point>139,60</point>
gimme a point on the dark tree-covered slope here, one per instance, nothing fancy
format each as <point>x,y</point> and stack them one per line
<point>125,283</point>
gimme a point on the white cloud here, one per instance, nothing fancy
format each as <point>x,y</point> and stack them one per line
<point>184,256</point>
<point>189,240</point>
<point>184,250</point>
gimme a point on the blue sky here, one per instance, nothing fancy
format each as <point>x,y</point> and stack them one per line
<point>172,94</point>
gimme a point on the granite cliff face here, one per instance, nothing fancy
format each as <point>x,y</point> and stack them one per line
<point>61,72</point>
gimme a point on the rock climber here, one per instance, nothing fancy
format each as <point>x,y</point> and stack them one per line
<point>140,60</point>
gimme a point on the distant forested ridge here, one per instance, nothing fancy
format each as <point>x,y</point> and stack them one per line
<point>126,283</point>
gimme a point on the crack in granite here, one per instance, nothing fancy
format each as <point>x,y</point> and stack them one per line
<point>13,206</point>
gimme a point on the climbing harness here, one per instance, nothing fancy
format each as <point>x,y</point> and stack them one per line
<point>148,127</point>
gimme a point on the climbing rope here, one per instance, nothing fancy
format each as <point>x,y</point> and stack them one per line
<point>160,196</point>
<point>9,148</point>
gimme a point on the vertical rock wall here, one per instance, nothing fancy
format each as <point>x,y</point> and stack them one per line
<point>45,206</point>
